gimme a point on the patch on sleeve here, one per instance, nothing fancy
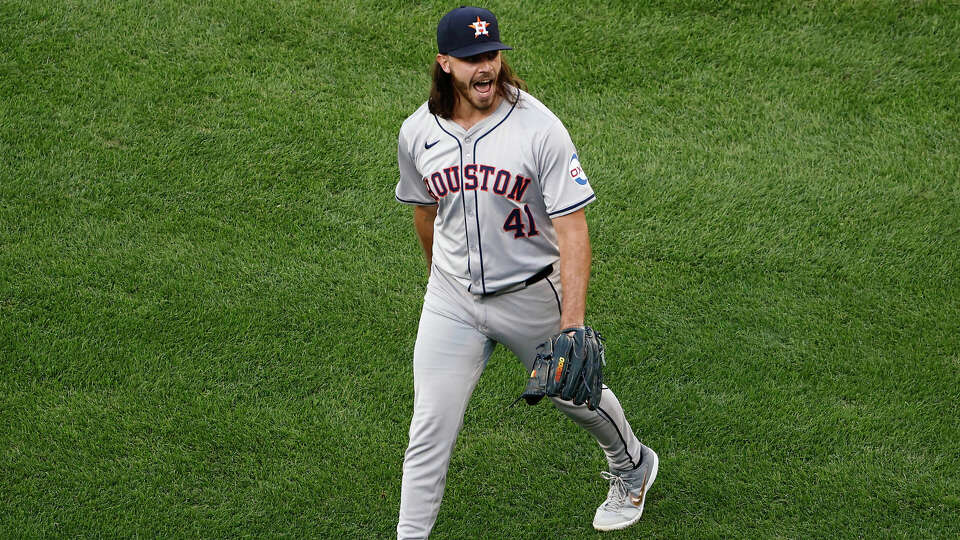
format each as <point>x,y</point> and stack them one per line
<point>576,171</point>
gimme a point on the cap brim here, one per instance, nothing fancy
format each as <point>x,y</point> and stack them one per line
<point>478,48</point>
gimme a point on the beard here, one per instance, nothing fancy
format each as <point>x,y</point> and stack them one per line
<point>480,96</point>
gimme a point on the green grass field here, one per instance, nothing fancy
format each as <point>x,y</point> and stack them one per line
<point>209,297</point>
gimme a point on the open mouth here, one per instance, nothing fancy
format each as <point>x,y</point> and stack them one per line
<point>483,86</point>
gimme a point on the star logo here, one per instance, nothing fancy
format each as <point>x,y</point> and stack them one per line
<point>480,28</point>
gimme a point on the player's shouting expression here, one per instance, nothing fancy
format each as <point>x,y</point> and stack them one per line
<point>474,78</point>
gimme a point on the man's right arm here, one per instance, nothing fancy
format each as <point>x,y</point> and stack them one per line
<point>423,218</point>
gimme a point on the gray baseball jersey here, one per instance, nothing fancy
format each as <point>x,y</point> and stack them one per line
<point>496,197</point>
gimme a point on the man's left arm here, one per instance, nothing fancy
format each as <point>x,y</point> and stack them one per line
<point>575,256</point>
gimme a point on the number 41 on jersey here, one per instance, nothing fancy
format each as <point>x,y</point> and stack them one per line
<point>515,223</point>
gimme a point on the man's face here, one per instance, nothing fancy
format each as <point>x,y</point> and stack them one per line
<point>474,77</point>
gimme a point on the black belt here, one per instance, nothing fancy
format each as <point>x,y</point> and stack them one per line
<point>539,276</point>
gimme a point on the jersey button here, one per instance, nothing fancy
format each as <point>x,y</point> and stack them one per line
<point>467,139</point>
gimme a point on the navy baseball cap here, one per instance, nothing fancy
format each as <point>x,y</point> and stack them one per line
<point>467,31</point>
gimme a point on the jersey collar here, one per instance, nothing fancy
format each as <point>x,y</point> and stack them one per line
<point>495,117</point>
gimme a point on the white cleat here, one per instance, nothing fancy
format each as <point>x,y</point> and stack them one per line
<point>628,492</point>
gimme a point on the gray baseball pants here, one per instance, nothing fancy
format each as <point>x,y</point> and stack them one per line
<point>458,332</point>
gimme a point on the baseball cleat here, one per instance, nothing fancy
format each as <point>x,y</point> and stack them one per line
<point>628,492</point>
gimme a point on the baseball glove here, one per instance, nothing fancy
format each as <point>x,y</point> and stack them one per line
<point>569,366</point>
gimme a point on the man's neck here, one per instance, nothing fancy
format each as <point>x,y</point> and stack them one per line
<point>467,116</point>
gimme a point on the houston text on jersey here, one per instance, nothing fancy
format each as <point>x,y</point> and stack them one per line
<point>476,177</point>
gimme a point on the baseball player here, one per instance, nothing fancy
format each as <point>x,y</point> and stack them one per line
<point>498,198</point>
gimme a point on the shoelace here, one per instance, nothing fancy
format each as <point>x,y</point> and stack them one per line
<point>617,496</point>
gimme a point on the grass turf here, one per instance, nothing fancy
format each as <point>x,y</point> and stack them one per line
<point>208,296</point>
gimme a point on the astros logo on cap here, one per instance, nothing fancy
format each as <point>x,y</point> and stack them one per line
<point>480,27</point>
